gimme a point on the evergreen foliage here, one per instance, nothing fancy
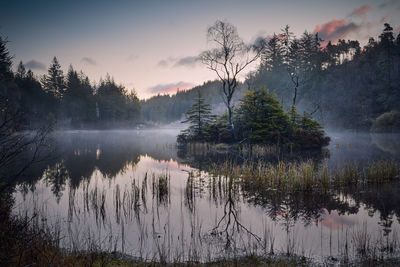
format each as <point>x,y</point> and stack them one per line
<point>114,103</point>
<point>199,116</point>
<point>163,108</point>
<point>342,84</point>
<point>260,119</point>
<point>70,101</point>
<point>78,102</point>
<point>53,82</point>
<point>5,61</point>
<point>387,122</point>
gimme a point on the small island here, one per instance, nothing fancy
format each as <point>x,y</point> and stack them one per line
<point>258,120</point>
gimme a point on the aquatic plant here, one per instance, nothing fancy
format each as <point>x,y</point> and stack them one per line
<point>306,176</point>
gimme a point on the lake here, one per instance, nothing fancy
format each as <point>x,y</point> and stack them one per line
<point>134,192</point>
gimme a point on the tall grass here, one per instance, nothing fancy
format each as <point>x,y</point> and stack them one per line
<point>193,242</point>
<point>306,176</point>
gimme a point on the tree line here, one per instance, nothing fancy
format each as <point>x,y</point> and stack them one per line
<point>296,69</point>
<point>165,108</point>
<point>70,99</point>
<point>342,85</point>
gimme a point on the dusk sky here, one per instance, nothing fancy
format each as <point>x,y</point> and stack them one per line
<point>152,45</point>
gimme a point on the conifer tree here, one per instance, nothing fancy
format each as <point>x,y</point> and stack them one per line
<point>199,116</point>
<point>261,117</point>
<point>21,71</point>
<point>272,55</point>
<point>53,82</point>
<point>5,61</point>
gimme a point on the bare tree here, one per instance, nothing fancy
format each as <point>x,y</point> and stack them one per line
<point>14,143</point>
<point>228,57</point>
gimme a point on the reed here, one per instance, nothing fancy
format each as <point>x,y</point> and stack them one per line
<point>306,176</point>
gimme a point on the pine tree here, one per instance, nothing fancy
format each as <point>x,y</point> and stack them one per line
<point>261,118</point>
<point>272,55</point>
<point>21,71</point>
<point>387,43</point>
<point>199,116</point>
<point>7,92</point>
<point>78,100</point>
<point>286,37</point>
<point>53,82</point>
<point>5,61</point>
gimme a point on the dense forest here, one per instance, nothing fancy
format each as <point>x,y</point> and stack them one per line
<point>342,86</point>
<point>69,101</point>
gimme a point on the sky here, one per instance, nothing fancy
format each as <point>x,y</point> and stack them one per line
<point>151,46</point>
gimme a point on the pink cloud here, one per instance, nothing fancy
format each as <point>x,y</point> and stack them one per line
<point>335,29</point>
<point>333,220</point>
<point>170,88</point>
<point>361,11</point>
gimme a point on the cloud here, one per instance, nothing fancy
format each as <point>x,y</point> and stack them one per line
<point>333,220</point>
<point>190,61</point>
<point>173,62</point>
<point>388,3</point>
<point>132,57</point>
<point>361,11</point>
<point>383,19</point>
<point>129,84</point>
<point>163,63</point>
<point>335,29</point>
<point>35,65</point>
<point>169,87</point>
<point>89,61</point>
<point>260,39</point>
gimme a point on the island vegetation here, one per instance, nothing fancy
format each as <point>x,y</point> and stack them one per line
<point>259,120</point>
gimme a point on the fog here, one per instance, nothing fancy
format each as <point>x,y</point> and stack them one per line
<point>110,166</point>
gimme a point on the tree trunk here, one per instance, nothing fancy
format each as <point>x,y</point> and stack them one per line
<point>230,119</point>
<point>296,85</point>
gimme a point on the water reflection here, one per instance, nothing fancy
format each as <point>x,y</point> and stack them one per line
<point>135,190</point>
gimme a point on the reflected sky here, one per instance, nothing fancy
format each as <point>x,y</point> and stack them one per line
<point>132,189</point>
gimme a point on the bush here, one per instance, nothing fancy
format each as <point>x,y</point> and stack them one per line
<point>387,122</point>
<point>260,119</point>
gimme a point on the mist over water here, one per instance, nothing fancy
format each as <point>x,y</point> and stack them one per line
<point>134,192</point>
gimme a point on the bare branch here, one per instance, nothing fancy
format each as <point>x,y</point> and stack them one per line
<point>228,58</point>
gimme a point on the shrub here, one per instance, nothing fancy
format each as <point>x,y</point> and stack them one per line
<point>387,122</point>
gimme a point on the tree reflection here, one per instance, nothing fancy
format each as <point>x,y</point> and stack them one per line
<point>286,208</point>
<point>75,156</point>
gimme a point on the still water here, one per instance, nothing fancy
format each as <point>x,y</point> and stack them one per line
<point>135,193</point>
